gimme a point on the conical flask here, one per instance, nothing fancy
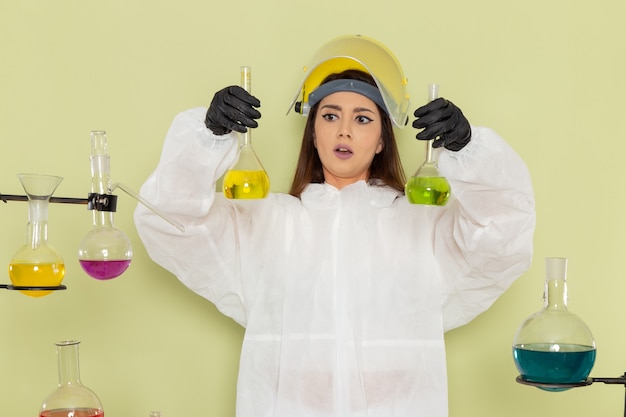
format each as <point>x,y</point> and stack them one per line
<point>104,252</point>
<point>37,264</point>
<point>71,398</point>
<point>427,186</point>
<point>554,346</point>
<point>247,178</point>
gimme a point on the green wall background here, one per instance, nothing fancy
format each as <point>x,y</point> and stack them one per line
<point>547,75</point>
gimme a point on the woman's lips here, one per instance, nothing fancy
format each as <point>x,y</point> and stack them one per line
<point>343,152</point>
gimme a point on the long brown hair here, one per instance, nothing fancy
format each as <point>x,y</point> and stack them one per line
<point>386,165</point>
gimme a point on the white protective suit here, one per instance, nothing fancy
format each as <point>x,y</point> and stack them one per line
<point>345,294</point>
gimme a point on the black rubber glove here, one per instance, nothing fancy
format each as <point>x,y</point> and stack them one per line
<point>232,108</point>
<point>442,120</point>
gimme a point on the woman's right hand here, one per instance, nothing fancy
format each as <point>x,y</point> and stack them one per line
<point>232,108</point>
<point>445,123</point>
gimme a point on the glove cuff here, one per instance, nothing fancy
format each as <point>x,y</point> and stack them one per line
<point>217,130</point>
<point>459,144</point>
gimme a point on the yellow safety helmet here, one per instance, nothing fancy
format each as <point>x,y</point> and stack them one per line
<point>360,53</point>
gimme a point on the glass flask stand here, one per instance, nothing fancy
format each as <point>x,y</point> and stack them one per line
<point>246,179</point>
<point>553,347</point>
<point>427,186</point>
<point>36,268</point>
<point>71,398</point>
<point>105,252</point>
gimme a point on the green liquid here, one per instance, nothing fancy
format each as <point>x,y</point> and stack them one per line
<point>433,191</point>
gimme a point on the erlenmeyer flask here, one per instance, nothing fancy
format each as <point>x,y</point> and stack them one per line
<point>71,398</point>
<point>427,186</point>
<point>554,346</point>
<point>104,252</point>
<point>37,264</point>
<point>246,179</point>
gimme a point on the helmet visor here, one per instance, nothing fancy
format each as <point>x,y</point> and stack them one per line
<point>360,53</point>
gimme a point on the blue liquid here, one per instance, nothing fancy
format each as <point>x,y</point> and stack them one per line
<point>570,365</point>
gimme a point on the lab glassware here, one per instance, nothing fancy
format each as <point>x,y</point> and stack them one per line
<point>37,264</point>
<point>71,398</point>
<point>553,345</point>
<point>247,178</point>
<point>105,252</point>
<point>427,186</point>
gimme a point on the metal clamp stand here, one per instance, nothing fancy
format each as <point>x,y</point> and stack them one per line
<point>621,381</point>
<point>5,198</point>
<point>95,201</point>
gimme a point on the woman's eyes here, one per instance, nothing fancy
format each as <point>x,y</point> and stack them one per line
<point>360,118</point>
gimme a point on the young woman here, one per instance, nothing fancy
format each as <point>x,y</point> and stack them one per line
<point>344,288</point>
<point>316,164</point>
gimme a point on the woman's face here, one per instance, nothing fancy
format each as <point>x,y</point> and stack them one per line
<point>348,134</point>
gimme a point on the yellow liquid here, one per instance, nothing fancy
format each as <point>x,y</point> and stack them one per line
<point>433,191</point>
<point>36,275</point>
<point>246,184</point>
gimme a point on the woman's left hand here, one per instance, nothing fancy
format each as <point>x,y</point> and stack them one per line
<point>444,122</point>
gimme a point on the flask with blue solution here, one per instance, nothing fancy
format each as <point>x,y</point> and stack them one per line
<point>554,348</point>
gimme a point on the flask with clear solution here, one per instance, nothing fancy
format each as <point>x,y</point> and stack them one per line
<point>247,178</point>
<point>36,263</point>
<point>554,346</point>
<point>105,252</point>
<point>71,398</point>
<point>427,186</point>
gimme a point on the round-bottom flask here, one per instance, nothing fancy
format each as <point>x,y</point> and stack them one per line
<point>554,346</point>
<point>71,398</point>
<point>105,252</point>
<point>37,264</point>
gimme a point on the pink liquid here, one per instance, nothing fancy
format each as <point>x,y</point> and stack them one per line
<point>73,412</point>
<point>105,269</point>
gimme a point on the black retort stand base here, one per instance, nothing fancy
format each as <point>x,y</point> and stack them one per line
<point>620,381</point>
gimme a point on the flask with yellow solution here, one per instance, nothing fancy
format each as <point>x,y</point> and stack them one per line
<point>246,179</point>
<point>37,265</point>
